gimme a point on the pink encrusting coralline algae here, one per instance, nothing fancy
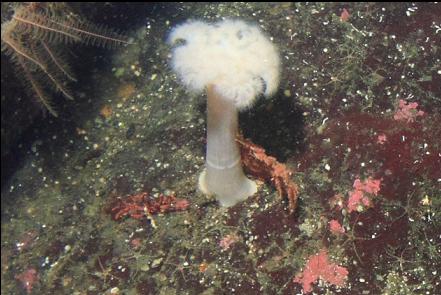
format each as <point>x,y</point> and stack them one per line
<point>335,227</point>
<point>371,186</point>
<point>319,267</point>
<point>28,278</point>
<point>361,195</point>
<point>344,16</point>
<point>407,111</point>
<point>228,240</point>
<point>382,138</point>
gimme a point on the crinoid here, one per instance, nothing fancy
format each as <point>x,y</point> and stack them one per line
<point>35,37</point>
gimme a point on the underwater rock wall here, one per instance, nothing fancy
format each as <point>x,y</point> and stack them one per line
<point>356,119</point>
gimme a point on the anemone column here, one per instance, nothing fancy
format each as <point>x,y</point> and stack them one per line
<point>223,176</point>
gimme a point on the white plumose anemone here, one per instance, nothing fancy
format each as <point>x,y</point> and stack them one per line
<point>235,62</point>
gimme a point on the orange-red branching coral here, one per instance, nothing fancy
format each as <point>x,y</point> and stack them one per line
<point>257,163</point>
<point>142,205</point>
